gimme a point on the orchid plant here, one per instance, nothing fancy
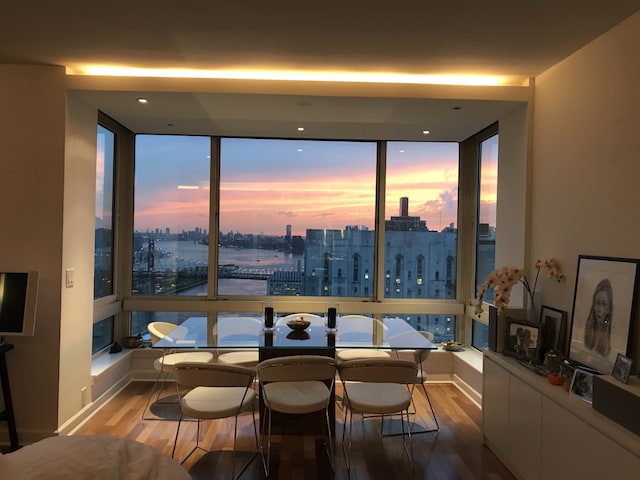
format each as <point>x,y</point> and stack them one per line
<point>503,279</point>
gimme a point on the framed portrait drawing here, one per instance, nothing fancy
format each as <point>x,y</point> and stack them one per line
<point>521,340</point>
<point>553,325</point>
<point>622,368</point>
<point>582,385</point>
<point>603,306</point>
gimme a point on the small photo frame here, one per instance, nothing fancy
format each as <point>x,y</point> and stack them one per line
<point>582,385</point>
<point>553,327</point>
<point>521,340</point>
<point>622,368</point>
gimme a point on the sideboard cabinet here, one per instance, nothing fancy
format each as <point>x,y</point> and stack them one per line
<point>540,431</point>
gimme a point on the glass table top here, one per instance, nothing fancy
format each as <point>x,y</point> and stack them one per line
<point>248,332</point>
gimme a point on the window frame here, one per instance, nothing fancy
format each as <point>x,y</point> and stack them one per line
<point>376,303</point>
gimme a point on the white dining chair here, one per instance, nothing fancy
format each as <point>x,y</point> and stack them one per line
<point>350,325</point>
<point>216,391</point>
<point>377,388</point>
<point>241,327</point>
<point>295,385</point>
<point>165,364</point>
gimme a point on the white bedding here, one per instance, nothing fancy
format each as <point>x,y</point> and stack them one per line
<point>90,457</point>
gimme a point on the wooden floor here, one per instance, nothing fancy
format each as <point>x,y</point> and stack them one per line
<point>455,452</point>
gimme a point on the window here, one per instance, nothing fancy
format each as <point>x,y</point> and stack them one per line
<point>102,335</point>
<point>103,253</point>
<point>171,215</point>
<point>295,218</point>
<point>421,214</point>
<point>487,200</point>
<point>301,208</point>
<point>105,304</point>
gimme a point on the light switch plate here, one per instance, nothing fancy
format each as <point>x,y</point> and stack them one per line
<point>69,277</point>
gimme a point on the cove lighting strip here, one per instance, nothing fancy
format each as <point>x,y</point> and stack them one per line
<point>291,75</point>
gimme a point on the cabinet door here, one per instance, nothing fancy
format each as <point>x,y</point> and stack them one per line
<point>525,430</point>
<point>574,449</point>
<point>495,408</point>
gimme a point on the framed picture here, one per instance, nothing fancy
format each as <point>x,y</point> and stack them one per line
<point>582,385</point>
<point>622,368</point>
<point>603,306</point>
<point>521,340</point>
<point>553,325</point>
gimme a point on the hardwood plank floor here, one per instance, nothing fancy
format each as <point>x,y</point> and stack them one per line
<point>455,452</point>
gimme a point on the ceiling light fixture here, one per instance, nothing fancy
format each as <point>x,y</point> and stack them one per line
<point>301,129</point>
<point>296,75</point>
<point>142,100</point>
<point>426,132</point>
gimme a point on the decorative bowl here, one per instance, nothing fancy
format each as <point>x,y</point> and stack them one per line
<point>298,324</point>
<point>452,346</point>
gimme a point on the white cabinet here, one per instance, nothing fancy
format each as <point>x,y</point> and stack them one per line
<point>525,429</point>
<point>539,431</point>
<point>495,408</point>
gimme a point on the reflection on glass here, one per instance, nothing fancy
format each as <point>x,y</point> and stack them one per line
<point>103,254</point>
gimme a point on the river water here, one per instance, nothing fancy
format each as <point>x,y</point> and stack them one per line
<point>185,254</point>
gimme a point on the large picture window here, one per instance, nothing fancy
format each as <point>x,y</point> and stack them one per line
<point>295,217</point>
<point>298,218</point>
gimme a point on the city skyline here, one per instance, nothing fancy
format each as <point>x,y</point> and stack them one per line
<point>268,184</point>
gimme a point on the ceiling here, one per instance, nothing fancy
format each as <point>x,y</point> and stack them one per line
<point>494,37</point>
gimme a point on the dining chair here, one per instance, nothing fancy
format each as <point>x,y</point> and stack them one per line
<point>420,357</point>
<point>216,391</point>
<point>242,328</point>
<point>377,387</point>
<point>165,364</point>
<point>354,325</point>
<point>295,385</point>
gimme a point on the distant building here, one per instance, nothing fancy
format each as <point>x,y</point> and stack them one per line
<point>404,222</point>
<point>418,263</point>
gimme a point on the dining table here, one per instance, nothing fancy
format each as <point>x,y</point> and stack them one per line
<point>238,333</point>
<point>229,333</point>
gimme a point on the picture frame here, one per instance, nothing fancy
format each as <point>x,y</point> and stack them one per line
<point>553,328</point>
<point>622,368</point>
<point>604,303</point>
<point>521,340</point>
<point>582,385</point>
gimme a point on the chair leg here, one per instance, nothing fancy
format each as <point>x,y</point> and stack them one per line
<point>406,440</point>
<point>329,439</point>
<point>433,413</point>
<point>153,389</point>
<point>346,445</point>
<point>266,461</point>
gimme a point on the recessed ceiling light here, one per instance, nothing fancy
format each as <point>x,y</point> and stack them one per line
<point>426,132</point>
<point>401,151</point>
<point>299,149</point>
<point>301,129</point>
<point>143,100</point>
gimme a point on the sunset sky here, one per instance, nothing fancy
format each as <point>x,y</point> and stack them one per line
<point>267,184</point>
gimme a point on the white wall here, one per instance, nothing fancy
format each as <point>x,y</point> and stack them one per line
<point>77,254</point>
<point>32,117</point>
<point>586,158</point>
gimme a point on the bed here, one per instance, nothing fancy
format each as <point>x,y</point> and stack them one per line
<point>90,457</point>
